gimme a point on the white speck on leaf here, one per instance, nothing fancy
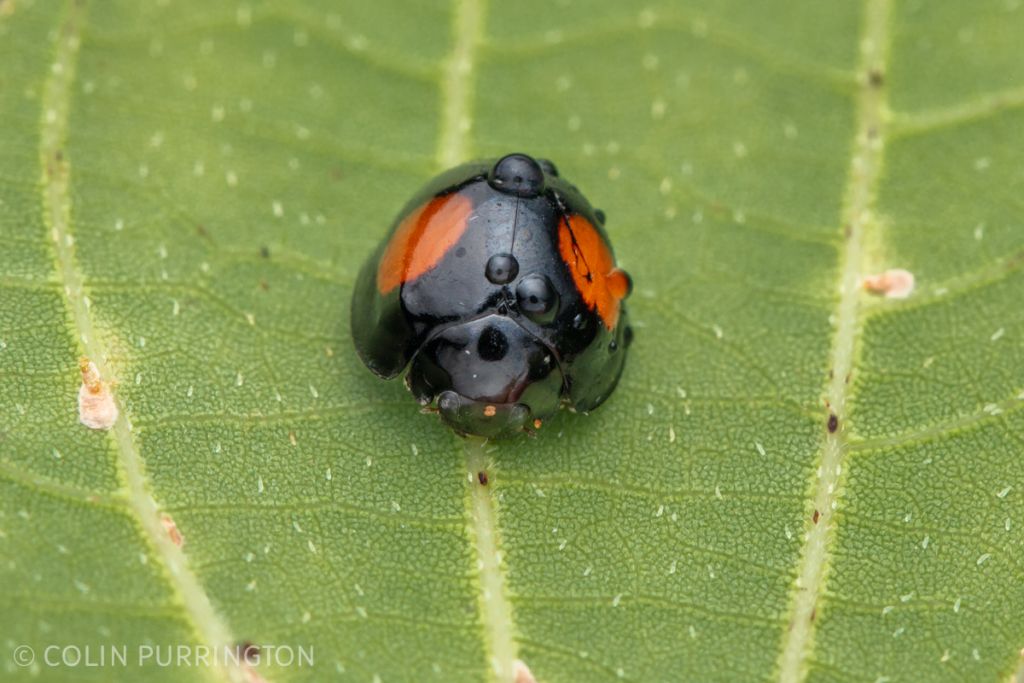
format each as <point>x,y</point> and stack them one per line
<point>243,15</point>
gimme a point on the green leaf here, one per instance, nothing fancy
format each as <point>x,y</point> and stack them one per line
<point>187,191</point>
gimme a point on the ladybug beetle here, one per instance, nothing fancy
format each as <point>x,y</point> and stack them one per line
<point>498,287</point>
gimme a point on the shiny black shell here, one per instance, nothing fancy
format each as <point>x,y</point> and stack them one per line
<point>497,329</point>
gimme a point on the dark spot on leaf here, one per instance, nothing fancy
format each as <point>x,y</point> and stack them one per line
<point>247,651</point>
<point>481,476</point>
<point>814,613</point>
<point>833,423</point>
<point>265,252</point>
<point>263,285</point>
<point>876,79</point>
<point>816,516</point>
<point>1015,260</point>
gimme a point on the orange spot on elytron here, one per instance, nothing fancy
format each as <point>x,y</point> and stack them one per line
<point>602,285</point>
<point>422,239</point>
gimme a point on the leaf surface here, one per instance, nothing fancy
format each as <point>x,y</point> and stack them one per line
<point>796,479</point>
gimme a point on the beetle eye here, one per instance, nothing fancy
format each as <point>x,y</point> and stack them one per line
<point>537,298</point>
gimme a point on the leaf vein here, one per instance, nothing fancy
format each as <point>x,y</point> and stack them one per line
<point>860,192</point>
<point>56,201</point>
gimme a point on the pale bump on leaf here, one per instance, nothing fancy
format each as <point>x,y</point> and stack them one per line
<point>895,283</point>
<point>97,408</point>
